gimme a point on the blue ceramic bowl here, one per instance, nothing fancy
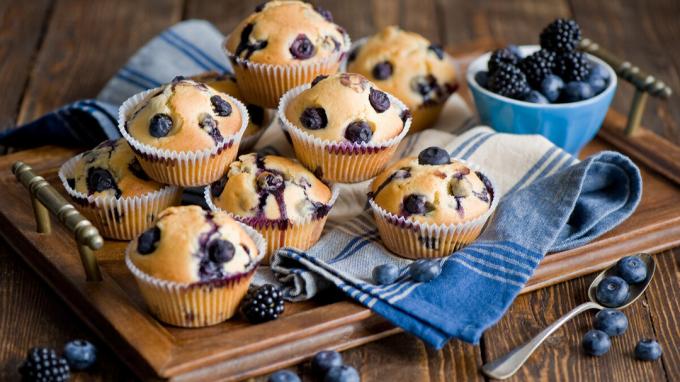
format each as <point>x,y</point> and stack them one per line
<point>568,125</point>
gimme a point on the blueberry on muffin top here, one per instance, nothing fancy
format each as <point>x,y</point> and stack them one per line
<point>185,115</point>
<point>111,169</point>
<point>188,244</point>
<point>432,188</point>
<point>287,32</point>
<point>346,107</point>
<point>269,189</point>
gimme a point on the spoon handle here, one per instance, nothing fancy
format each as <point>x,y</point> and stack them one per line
<point>507,365</point>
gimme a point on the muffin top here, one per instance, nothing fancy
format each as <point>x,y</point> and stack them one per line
<point>287,32</point>
<point>265,188</point>
<point>185,115</point>
<point>406,65</point>
<point>188,244</point>
<point>432,189</point>
<point>346,107</point>
<point>226,83</point>
<point>111,169</point>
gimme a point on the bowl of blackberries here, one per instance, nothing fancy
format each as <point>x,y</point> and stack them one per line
<point>552,89</point>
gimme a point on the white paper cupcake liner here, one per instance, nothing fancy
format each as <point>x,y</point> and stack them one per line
<point>182,168</point>
<point>343,162</point>
<point>196,304</point>
<point>414,240</point>
<point>264,84</point>
<point>119,218</point>
<point>300,235</point>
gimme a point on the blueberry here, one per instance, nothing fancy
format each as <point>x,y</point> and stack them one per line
<point>147,240</point>
<point>648,350</point>
<point>379,100</point>
<point>598,84</point>
<point>551,86</point>
<point>438,51</point>
<point>325,13</point>
<point>80,354</point>
<point>221,251</point>
<point>318,79</point>
<point>358,132</point>
<point>385,274</point>
<point>71,183</point>
<point>514,49</point>
<point>415,204</point>
<point>405,115</point>
<point>302,47</point>
<point>343,373</point>
<point>220,106</point>
<point>283,376</point>
<point>632,269</point>
<point>482,77</point>
<point>612,291</point>
<point>596,342</point>
<point>382,70</point>
<point>424,270</point>
<point>314,118</point>
<point>536,97</point>
<point>576,91</point>
<point>433,156</point>
<point>611,321</point>
<point>160,125</point>
<point>599,71</point>
<point>324,361</point>
<point>99,179</point>
<point>270,182</point>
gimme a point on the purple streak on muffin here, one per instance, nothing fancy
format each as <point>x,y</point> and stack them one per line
<point>429,242</point>
<point>318,79</point>
<point>487,185</point>
<point>438,51</point>
<point>326,14</point>
<point>402,173</point>
<point>246,46</point>
<point>209,125</point>
<point>405,115</point>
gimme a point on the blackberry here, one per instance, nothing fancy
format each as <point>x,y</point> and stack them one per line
<point>43,364</point>
<point>263,304</point>
<point>502,56</point>
<point>572,66</point>
<point>537,66</point>
<point>509,81</point>
<point>561,36</point>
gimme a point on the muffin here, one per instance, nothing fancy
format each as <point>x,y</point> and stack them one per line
<point>193,266</point>
<point>277,196</point>
<point>259,117</point>
<point>112,190</point>
<point>284,44</point>
<point>431,205</point>
<point>343,127</point>
<point>409,67</point>
<point>184,133</point>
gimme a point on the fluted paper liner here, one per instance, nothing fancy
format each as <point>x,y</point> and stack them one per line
<point>182,168</point>
<point>196,304</point>
<point>119,218</point>
<point>343,162</point>
<point>301,235</point>
<point>414,240</point>
<point>264,84</point>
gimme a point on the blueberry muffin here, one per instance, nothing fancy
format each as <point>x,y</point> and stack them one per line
<point>409,67</point>
<point>113,191</point>
<point>277,196</point>
<point>259,117</point>
<point>193,266</point>
<point>343,127</point>
<point>431,205</point>
<point>284,44</point>
<point>184,133</point>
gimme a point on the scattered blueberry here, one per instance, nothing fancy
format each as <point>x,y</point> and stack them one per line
<point>318,79</point>
<point>415,204</point>
<point>326,14</point>
<point>405,115</point>
<point>599,71</point>
<point>438,51</point>
<point>270,182</point>
<point>80,354</point>
<point>314,118</point>
<point>611,321</point>
<point>160,125</point>
<point>343,373</point>
<point>482,78</point>
<point>358,132</point>
<point>147,240</point>
<point>551,87</point>
<point>324,361</point>
<point>379,100</point>
<point>99,179</point>
<point>263,304</point>
<point>385,274</point>
<point>382,70</point>
<point>43,364</point>
<point>220,106</point>
<point>596,342</point>
<point>576,91</point>
<point>424,270</point>
<point>612,291</point>
<point>434,156</point>
<point>536,97</point>
<point>302,47</point>
<point>514,49</point>
<point>632,269</point>
<point>598,84</point>
<point>648,350</point>
<point>221,251</point>
<point>283,376</point>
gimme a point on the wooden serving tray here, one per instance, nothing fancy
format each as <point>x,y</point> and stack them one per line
<point>233,350</point>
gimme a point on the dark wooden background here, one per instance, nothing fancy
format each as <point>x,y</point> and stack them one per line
<point>57,51</point>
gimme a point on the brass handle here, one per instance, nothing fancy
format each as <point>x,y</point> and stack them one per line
<point>46,199</point>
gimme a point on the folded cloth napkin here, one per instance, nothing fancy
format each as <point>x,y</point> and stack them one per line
<point>550,202</point>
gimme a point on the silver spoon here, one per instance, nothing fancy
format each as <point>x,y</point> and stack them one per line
<point>507,365</point>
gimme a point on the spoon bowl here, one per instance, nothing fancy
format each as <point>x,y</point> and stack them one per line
<point>635,290</point>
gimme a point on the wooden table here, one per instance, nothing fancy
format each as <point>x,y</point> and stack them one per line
<point>57,51</point>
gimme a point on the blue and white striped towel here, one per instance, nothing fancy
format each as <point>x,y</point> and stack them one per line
<point>551,201</point>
